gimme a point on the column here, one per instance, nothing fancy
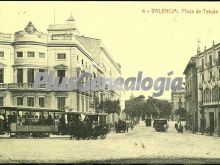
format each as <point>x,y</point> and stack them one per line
<point>14,75</point>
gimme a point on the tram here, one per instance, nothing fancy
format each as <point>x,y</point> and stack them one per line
<point>36,122</point>
<point>23,122</point>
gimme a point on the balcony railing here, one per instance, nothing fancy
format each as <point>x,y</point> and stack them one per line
<point>217,61</point>
<point>200,86</point>
<point>208,64</point>
<point>200,103</point>
<point>20,86</point>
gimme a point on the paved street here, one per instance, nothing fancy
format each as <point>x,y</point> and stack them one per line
<point>142,144</point>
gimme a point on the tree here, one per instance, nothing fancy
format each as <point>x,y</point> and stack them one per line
<point>139,107</point>
<point>110,106</point>
<point>135,107</point>
<point>164,108</point>
<point>152,107</point>
<point>181,112</point>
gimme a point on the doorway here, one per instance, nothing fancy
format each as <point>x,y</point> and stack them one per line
<point>211,121</point>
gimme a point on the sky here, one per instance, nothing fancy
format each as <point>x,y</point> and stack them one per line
<point>153,43</point>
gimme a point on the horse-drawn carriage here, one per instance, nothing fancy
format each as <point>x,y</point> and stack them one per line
<point>85,125</point>
<point>160,125</point>
<point>121,126</point>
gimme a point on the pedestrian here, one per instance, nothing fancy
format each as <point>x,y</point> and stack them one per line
<point>1,122</point>
<point>176,126</point>
<point>62,123</point>
<point>50,120</point>
<point>5,122</point>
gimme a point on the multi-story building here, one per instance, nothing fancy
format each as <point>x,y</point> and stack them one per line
<point>208,75</point>
<point>191,95</point>
<point>178,100</point>
<point>62,50</point>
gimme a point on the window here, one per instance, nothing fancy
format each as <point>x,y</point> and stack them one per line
<point>30,54</point>
<point>1,75</point>
<point>210,60</point>
<point>60,74</point>
<point>30,101</point>
<point>41,55</point>
<point>61,103</point>
<point>202,77</point>
<point>30,76</point>
<point>19,100</point>
<point>210,75</point>
<point>61,56</point>
<point>41,101</point>
<point>1,101</point>
<point>218,56</point>
<point>82,104</point>
<point>77,57</point>
<point>87,105</point>
<point>42,70</point>
<point>82,61</point>
<point>202,63</point>
<point>1,54</point>
<point>19,54</point>
<point>19,75</point>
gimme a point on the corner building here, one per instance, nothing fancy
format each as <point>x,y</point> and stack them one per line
<point>208,75</point>
<point>62,50</point>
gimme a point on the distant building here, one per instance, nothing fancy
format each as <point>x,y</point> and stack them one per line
<point>191,95</point>
<point>178,100</point>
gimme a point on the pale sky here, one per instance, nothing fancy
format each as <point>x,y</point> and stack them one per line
<point>152,43</point>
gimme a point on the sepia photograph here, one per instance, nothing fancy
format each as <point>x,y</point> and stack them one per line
<point>109,82</point>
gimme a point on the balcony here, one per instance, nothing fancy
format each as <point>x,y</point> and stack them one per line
<point>200,86</point>
<point>188,94</point>
<point>200,103</point>
<point>20,86</point>
<point>208,64</point>
<point>217,61</point>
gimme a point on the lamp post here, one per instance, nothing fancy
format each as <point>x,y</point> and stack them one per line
<point>202,112</point>
<point>180,103</point>
<point>217,117</point>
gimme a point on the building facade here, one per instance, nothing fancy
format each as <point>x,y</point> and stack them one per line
<point>208,75</point>
<point>191,95</point>
<point>62,50</point>
<point>178,101</point>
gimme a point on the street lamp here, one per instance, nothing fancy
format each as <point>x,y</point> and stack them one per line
<point>202,112</point>
<point>180,104</point>
<point>217,121</point>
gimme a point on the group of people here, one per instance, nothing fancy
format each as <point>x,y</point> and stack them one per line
<point>5,121</point>
<point>72,122</point>
<point>28,119</point>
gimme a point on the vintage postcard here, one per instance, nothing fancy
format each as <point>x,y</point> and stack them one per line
<point>109,82</point>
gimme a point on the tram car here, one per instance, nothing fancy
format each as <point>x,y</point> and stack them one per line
<point>36,122</point>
